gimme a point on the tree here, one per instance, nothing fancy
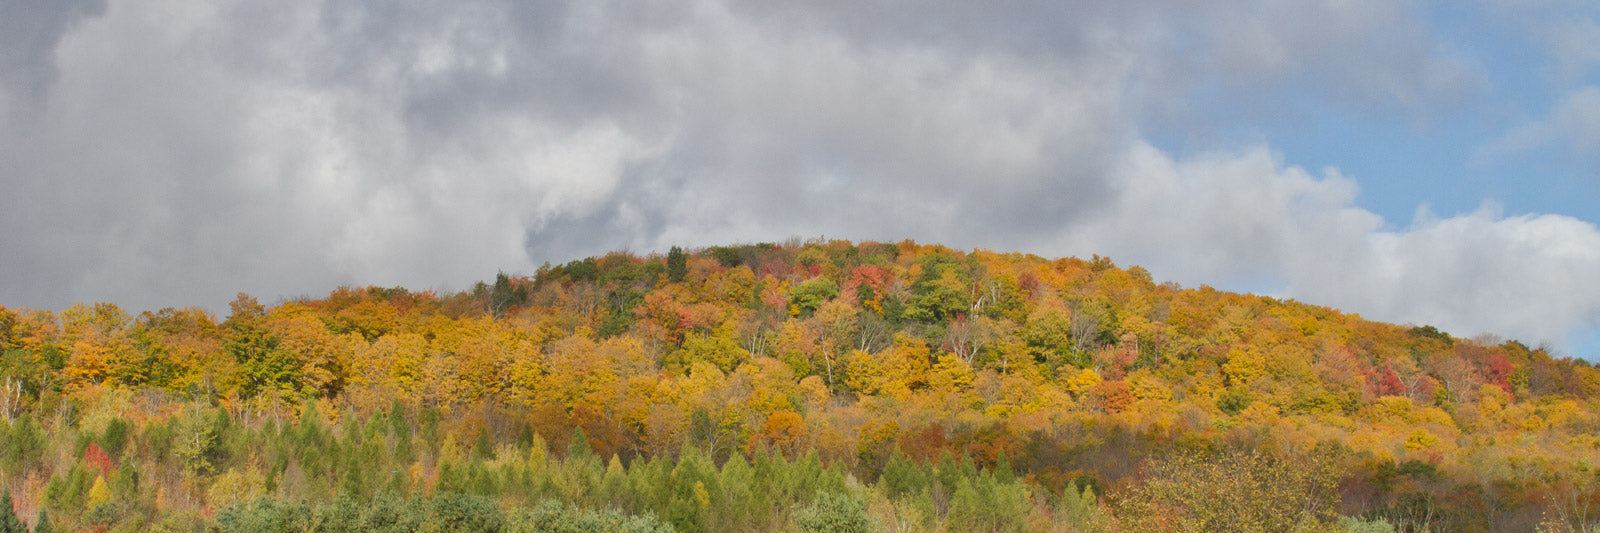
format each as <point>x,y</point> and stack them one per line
<point>1240,490</point>
<point>452,512</point>
<point>677,264</point>
<point>9,523</point>
<point>833,512</point>
<point>42,525</point>
<point>1080,510</point>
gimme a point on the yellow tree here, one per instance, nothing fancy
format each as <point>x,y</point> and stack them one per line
<point>100,344</point>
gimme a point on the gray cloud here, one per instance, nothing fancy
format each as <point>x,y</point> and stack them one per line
<point>179,153</point>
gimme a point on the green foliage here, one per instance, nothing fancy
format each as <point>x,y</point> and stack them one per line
<point>9,523</point>
<point>985,504</point>
<point>266,366</point>
<point>115,437</point>
<point>453,512</point>
<point>263,516</point>
<point>808,296</point>
<point>1350,524</point>
<point>503,295</point>
<point>1071,373</point>
<point>1049,337</point>
<point>902,477</point>
<point>195,439</point>
<point>42,524</point>
<point>22,443</point>
<point>67,494</point>
<point>943,292</point>
<point>833,512</point>
<point>1080,510</point>
<point>443,513</point>
<point>554,517</point>
<point>677,264</point>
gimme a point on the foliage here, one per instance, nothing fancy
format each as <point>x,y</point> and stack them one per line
<point>773,386</point>
<point>1247,491</point>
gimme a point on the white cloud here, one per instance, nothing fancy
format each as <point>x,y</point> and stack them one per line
<point>186,152</point>
<point>1573,125</point>
<point>1244,217</point>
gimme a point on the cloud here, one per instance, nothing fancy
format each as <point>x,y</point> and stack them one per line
<point>1244,219</point>
<point>1573,125</point>
<point>179,153</point>
<point>1568,30</point>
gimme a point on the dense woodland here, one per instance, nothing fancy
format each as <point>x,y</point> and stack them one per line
<point>810,386</point>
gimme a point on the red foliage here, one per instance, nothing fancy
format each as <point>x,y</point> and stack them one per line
<point>97,458</point>
<point>1386,383</point>
<point>1029,282</point>
<point>1500,371</point>
<point>1112,396</point>
<point>925,445</point>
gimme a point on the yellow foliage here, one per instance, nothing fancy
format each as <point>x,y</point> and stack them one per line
<point>1492,398</point>
<point>1432,415</point>
<point>99,493</point>
<point>1243,366</point>
<point>1148,387</point>
<point>1390,409</point>
<point>236,486</point>
<point>862,373</point>
<point>816,391</point>
<point>951,374</point>
<point>1420,439</point>
<point>1080,382</point>
<point>1259,412</point>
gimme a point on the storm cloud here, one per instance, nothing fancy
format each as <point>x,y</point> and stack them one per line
<point>167,153</point>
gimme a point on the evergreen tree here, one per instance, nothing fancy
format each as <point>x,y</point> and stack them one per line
<point>42,525</point>
<point>9,523</point>
<point>833,512</point>
<point>677,264</point>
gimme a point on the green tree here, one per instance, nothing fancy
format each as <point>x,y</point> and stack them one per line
<point>809,296</point>
<point>553,517</point>
<point>677,264</point>
<point>24,445</point>
<point>833,512</point>
<point>42,525</point>
<point>115,437</point>
<point>1080,510</point>
<point>9,523</point>
<point>454,512</point>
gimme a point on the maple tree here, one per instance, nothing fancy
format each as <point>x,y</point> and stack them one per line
<point>745,387</point>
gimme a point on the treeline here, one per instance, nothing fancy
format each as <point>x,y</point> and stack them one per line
<point>904,387</point>
<point>200,470</point>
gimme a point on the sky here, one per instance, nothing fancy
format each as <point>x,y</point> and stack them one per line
<point>1414,162</point>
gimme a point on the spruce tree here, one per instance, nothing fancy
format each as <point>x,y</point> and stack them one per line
<point>9,523</point>
<point>43,524</point>
<point>677,264</point>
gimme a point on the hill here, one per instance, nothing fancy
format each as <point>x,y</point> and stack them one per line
<point>774,386</point>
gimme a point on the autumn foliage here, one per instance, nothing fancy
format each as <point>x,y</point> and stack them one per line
<point>781,386</point>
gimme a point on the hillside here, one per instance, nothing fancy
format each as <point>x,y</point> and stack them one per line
<point>769,386</point>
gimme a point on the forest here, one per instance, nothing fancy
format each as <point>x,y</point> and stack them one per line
<point>799,386</point>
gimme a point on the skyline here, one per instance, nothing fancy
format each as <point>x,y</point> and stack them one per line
<point>1413,162</point>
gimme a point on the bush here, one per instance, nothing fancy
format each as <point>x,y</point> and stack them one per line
<point>451,512</point>
<point>553,517</point>
<point>833,513</point>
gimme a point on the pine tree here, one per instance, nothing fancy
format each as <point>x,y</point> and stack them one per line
<point>9,523</point>
<point>43,524</point>
<point>677,264</point>
<point>833,513</point>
